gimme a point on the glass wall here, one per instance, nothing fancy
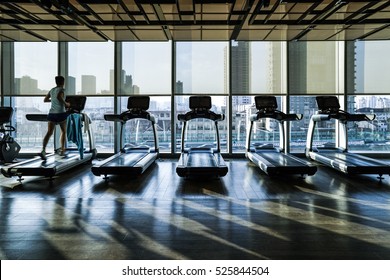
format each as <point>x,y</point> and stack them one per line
<point>257,68</point>
<point>146,68</point>
<point>95,108</point>
<point>373,135</point>
<point>91,68</point>
<point>29,134</point>
<point>314,68</point>
<point>201,68</point>
<point>91,73</point>
<point>231,72</point>
<point>368,69</point>
<point>36,66</point>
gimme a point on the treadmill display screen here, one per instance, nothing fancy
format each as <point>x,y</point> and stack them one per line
<point>328,103</point>
<point>77,102</point>
<point>5,115</point>
<point>138,102</point>
<point>266,102</point>
<point>200,102</point>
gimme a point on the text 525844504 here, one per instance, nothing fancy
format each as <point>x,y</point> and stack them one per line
<point>231,270</point>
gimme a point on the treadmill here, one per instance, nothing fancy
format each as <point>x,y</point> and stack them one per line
<point>198,162</point>
<point>275,161</point>
<point>9,148</point>
<point>56,164</point>
<point>339,158</point>
<point>132,159</point>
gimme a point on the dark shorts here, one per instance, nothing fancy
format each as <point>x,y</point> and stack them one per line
<point>57,118</point>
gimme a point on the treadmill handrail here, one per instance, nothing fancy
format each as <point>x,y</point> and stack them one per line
<point>129,115</point>
<point>37,117</point>
<point>196,114</point>
<point>277,115</point>
<point>43,117</point>
<point>345,116</point>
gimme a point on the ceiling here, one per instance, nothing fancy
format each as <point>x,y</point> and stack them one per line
<point>193,20</point>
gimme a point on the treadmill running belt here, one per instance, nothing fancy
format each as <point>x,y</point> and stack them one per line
<point>352,159</point>
<point>52,161</point>
<point>279,159</point>
<point>125,160</point>
<point>201,160</point>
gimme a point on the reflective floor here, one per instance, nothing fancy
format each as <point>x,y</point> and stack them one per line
<point>245,215</point>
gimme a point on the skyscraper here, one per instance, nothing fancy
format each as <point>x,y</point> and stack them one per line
<point>240,73</point>
<point>70,85</point>
<point>128,84</point>
<point>26,85</point>
<point>88,84</point>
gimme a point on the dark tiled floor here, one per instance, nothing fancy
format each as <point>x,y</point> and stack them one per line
<point>245,215</point>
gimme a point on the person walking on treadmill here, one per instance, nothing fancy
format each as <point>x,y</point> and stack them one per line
<point>57,114</point>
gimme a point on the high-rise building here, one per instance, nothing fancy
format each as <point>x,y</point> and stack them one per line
<point>88,84</point>
<point>240,67</point>
<point>26,85</point>
<point>180,101</point>
<point>70,85</point>
<point>240,73</point>
<point>179,87</point>
<point>128,84</point>
<point>136,89</point>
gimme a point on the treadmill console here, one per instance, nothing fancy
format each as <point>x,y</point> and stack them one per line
<point>200,102</point>
<point>77,102</point>
<point>5,115</point>
<point>328,104</point>
<point>266,103</point>
<point>138,103</point>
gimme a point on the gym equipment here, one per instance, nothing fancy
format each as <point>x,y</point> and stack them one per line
<point>338,157</point>
<point>9,148</point>
<point>56,164</point>
<point>131,160</point>
<point>275,161</point>
<point>200,162</point>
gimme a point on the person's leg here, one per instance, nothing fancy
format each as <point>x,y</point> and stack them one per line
<point>63,136</point>
<point>49,133</point>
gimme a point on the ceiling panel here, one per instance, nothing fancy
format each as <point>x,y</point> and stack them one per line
<point>122,20</point>
<point>384,33</point>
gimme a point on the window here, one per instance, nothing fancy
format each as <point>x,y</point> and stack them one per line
<point>29,134</point>
<point>146,68</point>
<point>307,106</point>
<point>369,135</point>
<point>35,68</point>
<point>368,67</point>
<point>258,67</point>
<point>90,73</point>
<point>201,68</point>
<point>96,108</point>
<point>315,67</point>
<point>91,67</point>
